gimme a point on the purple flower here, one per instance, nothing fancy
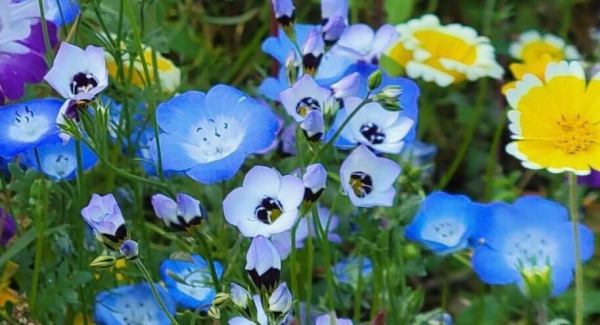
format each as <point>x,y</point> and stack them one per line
<point>266,204</point>
<point>315,179</point>
<point>263,263</point>
<point>8,227</point>
<point>184,214</point>
<point>284,12</point>
<point>129,249</point>
<point>104,216</point>
<point>592,180</point>
<point>22,47</point>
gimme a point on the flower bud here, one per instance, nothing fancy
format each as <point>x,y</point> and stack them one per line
<point>280,300</point>
<point>239,295</point>
<point>314,180</point>
<point>184,214</point>
<point>285,12</point>
<point>129,249</point>
<point>263,263</point>
<point>214,312</point>
<point>103,261</point>
<point>312,51</point>
<point>347,87</point>
<point>374,80</point>
<point>221,298</point>
<point>388,97</point>
<point>313,126</point>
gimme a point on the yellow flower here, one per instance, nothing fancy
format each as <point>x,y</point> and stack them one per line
<point>444,54</point>
<point>78,320</point>
<point>555,122</point>
<point>168,74</point>
<point>6,293</point>
<point>536,51</point>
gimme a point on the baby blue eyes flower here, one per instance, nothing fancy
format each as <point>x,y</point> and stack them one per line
<point>208,136</point>
<point>184,214</point>
<point>266,204</point>
<point>59,161</point>
<point>312,51</point>
<point>313,126</point>
<point>284,12</point>
<point>239,295</point>
<point>529,243</point>
<point>303,97</point>
<point>132,304</point>
<point>445,223</point>
<point>263,263</point>
<point>315,180</point>
<point>189,282</point>
<point>368,180</point>
<point>24,126</point>
<point>374,126</point>
<point>104,216</point>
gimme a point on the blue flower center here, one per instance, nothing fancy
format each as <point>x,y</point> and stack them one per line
<point>216,138</point>
<point>530,251</point>
<point>27,127</point>
<point>372,133</point>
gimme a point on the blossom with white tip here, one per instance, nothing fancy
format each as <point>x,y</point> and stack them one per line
<point>305,95</point>
<point>360,43</point>
<point>263,263</point>
<point>368,180</point>
<point>184,214</point>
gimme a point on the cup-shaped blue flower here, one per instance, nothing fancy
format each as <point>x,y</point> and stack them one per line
<point>280,300</point>
<point>189,282</point>
<point>132,304</point>
<point>208,136</point>
<point>445,223</point>
<point>26,125</point>
<point>529,243</point>
<point>59,161</point>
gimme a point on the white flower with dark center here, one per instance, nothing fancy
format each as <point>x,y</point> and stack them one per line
<point>368,180</point>
<point>263,263</point>
<point>304,96</point>
<point>266,204</point>
<point>376,127</point>
<point>315,180</point>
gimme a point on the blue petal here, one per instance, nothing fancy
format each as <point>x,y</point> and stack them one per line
<point>561,279</point>
<point>112,306</point>
<point>271,87</point>
<point>263,126</point>
<point>44,110</point>
<point>279,47</point>
<point>224,99</point>
<point>218,170</point>
<point>183,269</point>
<point>62,12</point>
<point>59,161</point>
<point>174,156</point>
<point>179,114</point>
<point>490,266</point>
<point>536,208</point>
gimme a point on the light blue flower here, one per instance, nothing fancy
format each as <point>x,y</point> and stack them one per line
<point>280,46</point>
<point>26,125</point>
<point>61,12</point>
<point>132,304</point>
<point>198,291</point>
<point>208,136</point>
<point>326,319</point>
<point>529,243</point>
<point>59,161</point>
<point>445,223</point>
<point>348,270</point>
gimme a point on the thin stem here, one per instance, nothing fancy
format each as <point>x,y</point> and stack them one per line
<point>468,136</point>
<point>211,263</point>
<point>541,313</point>
<point>493,156</point>
<point>149,86</point>
<point>311,252</point>
<point>45,32</point>
<point>161,304</point>
<point>573,208</point>
<point>566,18</point>
<point>293,279</point>
<point>359,289</point>
<point>326,252</point>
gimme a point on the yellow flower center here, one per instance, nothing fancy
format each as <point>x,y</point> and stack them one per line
<point>443,45</point>
<point>574,134</point>
<point>537,49</point>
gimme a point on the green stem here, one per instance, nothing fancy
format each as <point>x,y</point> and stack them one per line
<point>567,12</point>
<point>39,251</point>
<point>311,252</point>
<point>359,288</point>
<point>493,157</point>
<point>573,208</point>
<point>150,88</point>
<point>211,263</point>
<point>469,134</point>
<point>45,32</point>
<point>161,304</point>
<point>337,133</point>
<point>542,312</point>
<point>326,253</point>
<point>293,279</point>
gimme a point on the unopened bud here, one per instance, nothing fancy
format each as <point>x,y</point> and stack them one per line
<point>103,262</point>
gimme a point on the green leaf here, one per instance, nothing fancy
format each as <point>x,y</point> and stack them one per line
<point>398,10</point>
<point>21,243</point>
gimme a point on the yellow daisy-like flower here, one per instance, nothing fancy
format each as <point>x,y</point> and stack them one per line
<point>555,122</point>
<point>536,51</point>
<point>168,73</point>
<point>444,54</point>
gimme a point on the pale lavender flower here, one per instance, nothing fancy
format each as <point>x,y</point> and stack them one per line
<point>104,216</point>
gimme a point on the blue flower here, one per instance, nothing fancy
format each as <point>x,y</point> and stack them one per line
<point>198,290</point>
<point>26,125</point>
<point>279,47</point>
<point>60,161</point>
<point>529,243</point>
<point>208,136</point>
<point>445,223</point>
<point>347,270</point>
<point>132,304</point>
<point>61,12</point>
